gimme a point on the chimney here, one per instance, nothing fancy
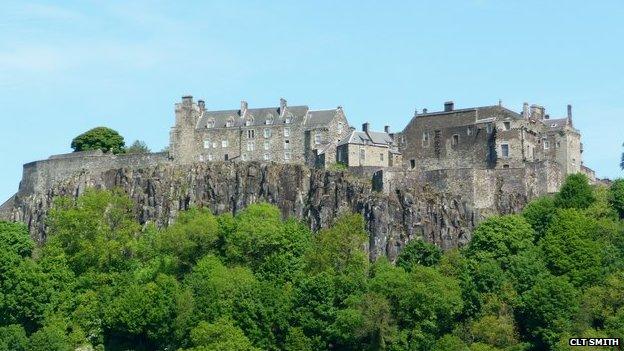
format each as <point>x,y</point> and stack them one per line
<point>365,127</point>
<point>387,129</point>
<point>537,111</point>
<point>202,105</point>
<point>415,112</point>
<point>243,109</point>
<point>187,100</point>
<point>424,111</point>
<point>570,114</point>
<point>525,110</point>
<point>448,106</point>
<point>283,105</point>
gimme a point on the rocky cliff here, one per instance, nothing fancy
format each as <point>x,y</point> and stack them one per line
<point>316,196</point>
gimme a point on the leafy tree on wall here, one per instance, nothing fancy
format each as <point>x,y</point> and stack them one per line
<point>99,138</point>
<point>138,147</point>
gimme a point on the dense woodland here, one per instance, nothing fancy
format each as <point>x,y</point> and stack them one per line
<point>257,282</point>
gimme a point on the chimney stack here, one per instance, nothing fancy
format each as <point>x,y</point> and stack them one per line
<point>424,111</point>
<point>449,106</point>
<point>187,100</point>
<point>570,114</point>
<point>283,105</point>
<point>202,105</point>
<point>365,127</point>
<point>387,129</point>
<point>525,110</point>
<point>537,112</point>
<point>243,109</point>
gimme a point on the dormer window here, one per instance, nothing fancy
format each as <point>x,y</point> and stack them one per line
<point>288,120</point>
<point>230,122</point>
<point>210,123</point>
<point>249,121</point>
<point>269,119</point>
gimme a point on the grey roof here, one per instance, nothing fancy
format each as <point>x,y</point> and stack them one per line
<point>258,117</point>
<point>558,123</point>
<point>367,138</point>
<point>482,110</point>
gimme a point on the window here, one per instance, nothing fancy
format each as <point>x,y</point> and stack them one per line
<point>230,122</point>
<point>249,121</point>
<point>244,157</point>
<point>210,123</point>
<point>224,143</point>
<point>558,144</point>
<point>286,144</point>
<point>412,163</point>
<point>251,134</point>
<point>546,144</point>
<point>317,138</point>
<point>268,120</point>
<point>425,139</point>
<point>226,157</point>
<point>266,157</point>
<point>489,128</point>
<point>209,157</point>
<point>267,144</point>
<point>455,139</point>
<point>469,131</point>
<point>507,125</point>
<point>206,144</point>
<point>286,132</point>
<point>250,146</point>
<point>381,157</point>
<point>214,144</point>
<point>339,128</point>
<point>267,132</point>
<point>506,166</point>
<point>505,150</point>
<point>287,156</point>
<point>287,120</point>
<point>362,154</point>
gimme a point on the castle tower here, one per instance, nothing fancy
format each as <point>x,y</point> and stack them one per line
<point>182,143</point>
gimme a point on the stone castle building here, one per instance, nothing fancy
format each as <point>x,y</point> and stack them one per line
<point>283,134</point>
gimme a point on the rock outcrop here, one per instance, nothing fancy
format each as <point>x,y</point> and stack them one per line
<point>316,196</point>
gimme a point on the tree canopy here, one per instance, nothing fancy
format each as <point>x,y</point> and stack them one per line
<point>256,281</point>
<point>99,138</point>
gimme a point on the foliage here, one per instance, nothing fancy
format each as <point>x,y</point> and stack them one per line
<point>99,138</point>
<point>419,252</point>
<point>138,147</point>
<point>575,192</point>
<point>616,196</point>
<point>256,281</point>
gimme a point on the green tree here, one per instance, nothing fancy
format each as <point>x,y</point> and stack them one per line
<point>13,338</point>
<point>222,335</point>
<point>547,309</point>
<point>616,196</point>
<point>296,340</point>
<point>538,213</point>
<point>14,237</point>
<point>497,331</point>
<point>575,192</point>
<point>138,147</point>
<point>418,252</point>
<point>450,342</point>
<point>501,237</point>
<point>99,138</point>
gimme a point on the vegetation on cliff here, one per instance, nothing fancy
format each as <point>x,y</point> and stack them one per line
<point>257,282</point>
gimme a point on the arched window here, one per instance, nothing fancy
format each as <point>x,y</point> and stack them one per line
<point>269,119</point>
<point>249,121</point>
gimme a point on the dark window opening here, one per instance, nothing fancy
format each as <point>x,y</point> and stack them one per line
<point>413,164</point>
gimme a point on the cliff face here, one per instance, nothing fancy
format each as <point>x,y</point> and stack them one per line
<point>316,196</point>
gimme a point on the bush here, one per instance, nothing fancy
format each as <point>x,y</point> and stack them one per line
<point>575,193</point>
<point>99,138</point>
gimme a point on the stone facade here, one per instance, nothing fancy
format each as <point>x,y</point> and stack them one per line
<point>369,149</point>
<point>281,134</point>
<point>490,137</point>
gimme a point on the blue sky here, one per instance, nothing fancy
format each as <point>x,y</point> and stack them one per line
<point>67,66</point>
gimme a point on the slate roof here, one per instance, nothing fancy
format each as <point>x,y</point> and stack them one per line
<point>298,114</point>
<point>364,138</point>
<point>555,124</point>
<point>482,110</point>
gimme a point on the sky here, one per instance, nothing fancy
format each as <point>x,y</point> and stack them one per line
<point>68,66</point>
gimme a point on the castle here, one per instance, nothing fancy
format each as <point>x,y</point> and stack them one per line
<point>479,138</point>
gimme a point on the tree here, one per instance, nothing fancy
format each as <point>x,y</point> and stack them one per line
<point>501,237</point>
<point>622,160</point>
<point>418,252</point>
<point>14,237</point>
<point>138,147</point>
<point>538,213</point>
<point>222,335</point>
<point>13,338</point>
<point>575,192</point>
<point>99,138</point>
<point>616,196</point>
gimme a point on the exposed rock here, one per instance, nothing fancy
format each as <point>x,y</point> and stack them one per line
<point>316,196</point>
